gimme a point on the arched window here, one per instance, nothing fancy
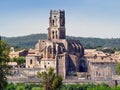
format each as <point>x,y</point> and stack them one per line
<point>50,49</point>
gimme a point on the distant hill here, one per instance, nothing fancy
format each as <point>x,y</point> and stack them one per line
<point>29,41</point>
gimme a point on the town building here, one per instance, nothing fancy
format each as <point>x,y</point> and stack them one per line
<point>101,66</point>
<point>16,54</point>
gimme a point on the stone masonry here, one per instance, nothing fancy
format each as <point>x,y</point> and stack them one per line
<point>58,52</point>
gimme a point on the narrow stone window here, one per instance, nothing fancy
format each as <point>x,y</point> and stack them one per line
<point>31,61</point>
<point>53,22</point>
<point>56,35</point>
<point>45,66</point>
<point>53,34</point>
<point>50,50</point>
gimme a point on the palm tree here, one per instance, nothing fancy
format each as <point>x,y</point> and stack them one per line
<point>50,80</point>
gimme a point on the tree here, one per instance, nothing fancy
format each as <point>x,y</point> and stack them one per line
<point>50,80</point>
<point>118,68</point>
<point>20,60</point>
<point>57,82</point>
<point>4,68</point>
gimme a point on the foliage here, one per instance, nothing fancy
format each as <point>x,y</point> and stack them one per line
<point>23,86</point>
<point>117,68</point>
<point>74,87</point>
<point>30,41</point>
<point>32,86</point>
<point>89,86</point>
<point>19,60</point>
<point>101,86</point>
<point>20,88</point>
<point>4,68</point>
<point>57,82</point>
<point>10,86</point>
<point>50,81</point>
<point>17,48</point>
<point>108,50</point>
<point>25,41</point>
<point>36,88</point>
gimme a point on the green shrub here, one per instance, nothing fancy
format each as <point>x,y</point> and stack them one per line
<point>37,88</point>
<point>89,86</point>
<point>10,87</point>
<point>20,88</point>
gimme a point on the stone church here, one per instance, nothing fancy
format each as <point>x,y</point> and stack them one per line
<point>56,51</point>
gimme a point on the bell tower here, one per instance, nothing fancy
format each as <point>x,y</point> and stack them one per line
<point>56,28</point>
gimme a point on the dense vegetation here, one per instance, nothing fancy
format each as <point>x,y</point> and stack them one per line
<point>4,68</point>
<point>117,68</point>
<point>24,41</point>
<point>22,86</point>
<point>20,60</point>
<point>30,41</point>
<point>108,50</point>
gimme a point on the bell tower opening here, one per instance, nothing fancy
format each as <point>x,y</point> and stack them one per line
<point>56,28</point>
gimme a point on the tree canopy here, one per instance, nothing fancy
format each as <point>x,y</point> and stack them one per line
<point>4,69</point>
<point>20,60</point>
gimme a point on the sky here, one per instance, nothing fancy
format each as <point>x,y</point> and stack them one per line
<point>84,18</point>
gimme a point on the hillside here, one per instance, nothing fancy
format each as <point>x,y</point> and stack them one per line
<point>29,41</point>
